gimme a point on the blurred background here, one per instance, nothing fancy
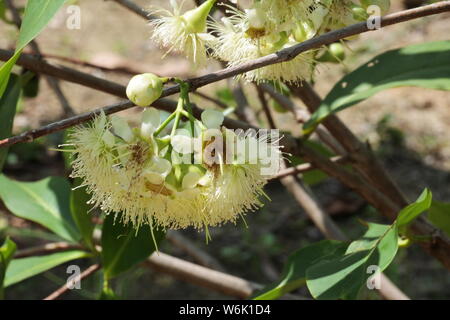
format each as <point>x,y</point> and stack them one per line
<point>408,128</point>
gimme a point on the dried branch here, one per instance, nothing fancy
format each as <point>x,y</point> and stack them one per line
<point>319,217</point>
<point>181,269</point>
<point>217,102</point>
<point>130,5</point>
<point>440,247</point>
<point>199,256</point>
<point>46,249</point>
<point>123,70</point>
<point>211,279</point>
<point>52,82</point>
<point>305,167</point>
<point>195,83</point>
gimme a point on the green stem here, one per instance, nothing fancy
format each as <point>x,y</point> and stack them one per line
<point>164,124</point>
<point>177,113</point>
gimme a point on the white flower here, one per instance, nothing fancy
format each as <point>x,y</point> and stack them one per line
<point>236,46</point>
<point>212,119</point>
<point>124,172</point>
<point>183,32</point>
<point>282,15</point>
<point>150,122</point>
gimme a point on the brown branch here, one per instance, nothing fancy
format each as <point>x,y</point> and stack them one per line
<point>130,5</point>
<point>52,82</point>
<point>195,83</point>
<point>217,102</point>
<point>122,70</point>
<point>440,247</point>
<point>66,287</point>
<point>305,167</point>
<point>201,276</point>
<point>319,217</point>
<point>178,268</point>
<point>47,249</point>
<point>301,116</point>
<point>199,256</point>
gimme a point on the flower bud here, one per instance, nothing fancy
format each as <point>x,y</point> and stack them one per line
<point>196,18</point>
<point>144,89</point>
<point>335,54</point>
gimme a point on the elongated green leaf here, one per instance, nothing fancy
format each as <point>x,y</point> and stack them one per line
<point>123,246</point>
<point>80,212</point>
<point>294,272</point>
<point>7,251</point>
<point>37,15</point>
<point>425,65</point>
<point>439,215</point>
<point>24,268</point>
<point>343,277</point>
<point>412,211</point>
<point>5,72</point>
<point>45,202</point>
<point>8,106</point>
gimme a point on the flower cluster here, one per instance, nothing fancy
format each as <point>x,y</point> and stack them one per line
<point>265,27</point>
<point>174,181</point>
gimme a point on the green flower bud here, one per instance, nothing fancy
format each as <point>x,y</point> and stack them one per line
<point>196,18</point>
<point>144,89</point>
<point>334,54</point>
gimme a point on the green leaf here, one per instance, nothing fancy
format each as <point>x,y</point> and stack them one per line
<point>412,211</point>
<point>8,106</point>
<point>439,215</point>
<point>80,211</point>
<point>24,268</point>
<point>294,272</point>
<point>37,15</point>
<point>425,65</point>
<point>45,202</point>
<point>343,277</point>
<point>123,246</point>
<point>7,251</point>
<point>5,72</point>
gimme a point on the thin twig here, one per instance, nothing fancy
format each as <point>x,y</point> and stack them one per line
<point>217,102</point>
<point>320,218</point>
<point>439,248</point>
<point>52,82</point>
<point>122,70</point>
<point>305,167</point>
<point>66,287</point>
<point>211,279</point>
<point>46,249</point>
<point>199,256</point>
<point>130,5</point>
<point>195,83</point>
<point>181,269</point>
